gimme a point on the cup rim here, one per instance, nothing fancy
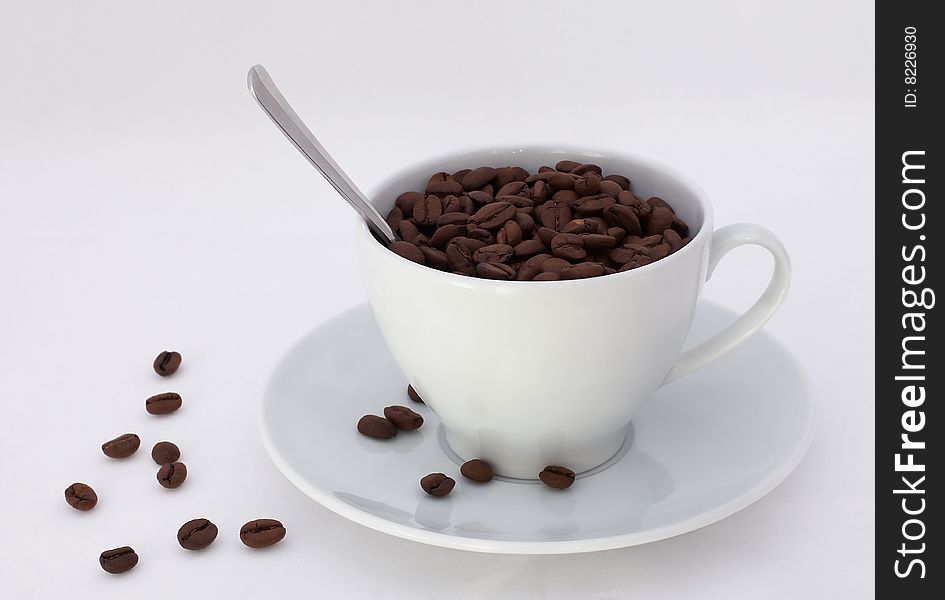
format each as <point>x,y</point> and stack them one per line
<point>564,151</point>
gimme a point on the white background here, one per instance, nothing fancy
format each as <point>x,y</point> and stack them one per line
<point>147,203</point>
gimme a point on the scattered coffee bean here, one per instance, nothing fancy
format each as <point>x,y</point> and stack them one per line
<point>165,452</point>
<point>163,404</point>
<point>377,427</point>
<point>437,484</point>
<point>477,470</point>
<point>196,534</point>
<point>261,533</point>
<point>413,395</point>
<point>557,477</point>
<point>172,475</point>
<point>81,497</point>
<point>403,418</point>
<point>122,446</point>
<point>167,363</point>
<point>118,560</point>
<point>488,222</point>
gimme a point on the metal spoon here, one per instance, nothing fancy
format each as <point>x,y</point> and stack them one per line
<point>277,107</point>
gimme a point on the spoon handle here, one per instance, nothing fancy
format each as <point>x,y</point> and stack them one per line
<point>277,107</point>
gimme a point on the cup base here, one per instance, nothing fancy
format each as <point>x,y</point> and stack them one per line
<point>517,461</point>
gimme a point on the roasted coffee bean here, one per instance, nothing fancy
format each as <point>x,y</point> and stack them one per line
<point>595,242</point>
<point>540,191</point>
<point>413,395</point>
<point>495,270</point>
<point>582,270</point>
<point>196,534</point>
<point>659,220</point>
<point>625,254</point>
<point>427,211</point>
<point>442,188</point>
<point>458,176</point>
<point>394,217</point>
<point>531,267</point>
<point>451,204</point>
<point>546,234</point>
<point>547,277</point>
<point>622,216</point>
<point>635,263</point>
<point>518,202</point>
<point>620,180</point>
<point>640,208</point>
<point>459,257</point>
<point>467,206</point>
<point>167,363</point>
<point>559,181</point>
<point>680,227</point>
<point>406,201</point>
<point>507,174</point>
<point>567,165</point>
<point>118,560</point>
<point>652,240</point>
<point>81,497</point>
<point>672,238</point>
<point>122,446</point>
<point>163,404</point>
<point>586,168</point>
<point>554,265</point>
<point>593,205</point>
<point>588,185</point>
<point>660,251</point>
<point>610,188</point>
<point>568,246</point>
<point>172,475</point>
<point>583,226</point>
<point>496,253</point>
<point>437,484</point>
<point>439,177</point>
<point>510,234</point>
<point>403,418</point>
<point>445,233</point>
<point>408,231</point>
<point>477,470</point>
<point>528,248</point>
<point>377,427</point>
<point>435,258</point>
<point>408,251</point>
<point>480,235</point>
<point>568,197</point>
<point>478,178</point>
<point>480,197</point>
<point>657,202</point>
<point>526,223</point>
<point>618,233</point>
<point>554,215</point>
<point>165,452</point>
<point>261,533</point>
<point>493,215</point>
<point>557,477</point>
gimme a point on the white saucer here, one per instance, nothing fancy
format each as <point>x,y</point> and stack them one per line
<point>701,449</point>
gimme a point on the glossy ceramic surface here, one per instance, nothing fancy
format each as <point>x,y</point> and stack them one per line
<point>703,448</point>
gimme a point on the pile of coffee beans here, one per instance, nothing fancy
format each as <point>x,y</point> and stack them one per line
<point>439,484</point>
<point>196,534</point>
<point>566,222</point>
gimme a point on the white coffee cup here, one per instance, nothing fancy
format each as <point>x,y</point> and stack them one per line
<point>525,374</point>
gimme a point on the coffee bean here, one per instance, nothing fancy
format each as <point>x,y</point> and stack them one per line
<point>660,251</point>
<point>567,197</point>
<point>439,177</point>
<point>196,534</point>
<point>481,197</point>
<point>640,208</point>
<point>652,240</point>
<point>484,236</point>
<point>531,267</point>
<point>595,242</point>
<point>610,188</point>
<point>622,216</point>
<point>405,202</point>
<point>167,363</point>
<point>519,202</point>
<point>261,533</point>
<point>495,270</point>
<point>454,219</point>
<point>559,181</point>
<point>659,220</point>
<point>458,176</point>
<point>540,191</point>
<point>593,205</point>
<point>165,452</point>
<point>163,404</point>
<point>172,475</point>
<point>118,560</point>
<point>567,165</point>
<point>444,233</point>
<point>582,270</point>
<point>514,188</point>
<point>620,180</point>
<point>657,202</point>
<point>403,418</point>
<point>81,497</point>
<point>510,234</point>
<point>478,178</point>
<point>122,446</point>
<point>466,205</point>
<point>547,277</point>
<point>557,477</point>
<point>437,484</point>
<point>546,234</point>
<point>495,253</point>
<point>477,470</point>
<point>451,204</point>
<point>459,256</point>
<point>528,248</point>
<point>508,174</point>
<point>618,233</point>
<point>413,395</point>
<point>625,254</point>
<point>408,231</point>
<point>586,168</point>
<point>408,251</point>
<point>588,185</point>
<point>377,427</point>
<point>672,238</point>
<point>493,215</point>
<point>427,211</point>
<point>435,258</point>
<point>525,222</point>
<point>583,226</point>
<point>680,227</point>
<point>441,188</point>
<point>394,217</point>
<point>554,265</point>
<point>554,215</point>
<point>568,246</point>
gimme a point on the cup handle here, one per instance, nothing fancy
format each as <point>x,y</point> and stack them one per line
<point>723,241</point>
